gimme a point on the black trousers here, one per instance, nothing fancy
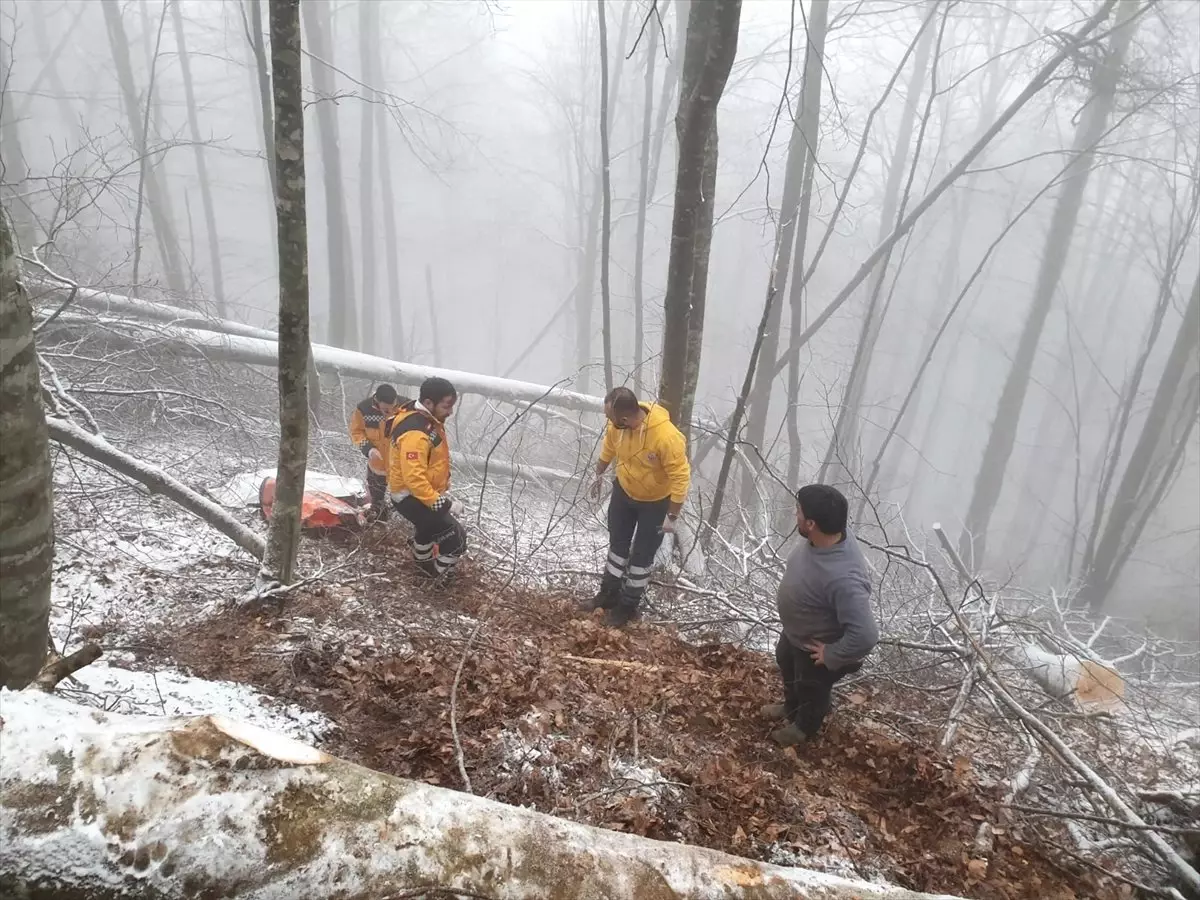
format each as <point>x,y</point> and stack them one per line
<point>377,491</point>
<point>807,687</point>
<point>634,536</point>
<point>430,528</point>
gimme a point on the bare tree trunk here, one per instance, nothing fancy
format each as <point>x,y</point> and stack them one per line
<point>396,344</point>
<point>156,197</point>
<point>841,458</point>
<point>210,216</point>
<point>26,492</point>
<point>711,45</point>
<point>49,57</point>
<point>695,332</point>
<point>343,307</point>
<point>990,480</point>
<point>375,331</point>
<point>639,258</point>
<point>1155,458</point>
<point>433,325</point>
<point>792,240</point>
<point>606,202</point>
<point>263,80</point>
<point>283,539</point>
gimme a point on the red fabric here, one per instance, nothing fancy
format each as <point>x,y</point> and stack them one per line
<point>317,509</point>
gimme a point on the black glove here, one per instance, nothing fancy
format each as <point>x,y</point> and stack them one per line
<point>442,504</point>
<point>365,449</point>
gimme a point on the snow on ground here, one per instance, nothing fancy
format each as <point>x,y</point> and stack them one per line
<point>171,693</point>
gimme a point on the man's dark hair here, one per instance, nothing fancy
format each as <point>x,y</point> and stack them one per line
<point>825,505</point>
<point>435,390</point>
<point>385,393</point>
<point>622,400</point>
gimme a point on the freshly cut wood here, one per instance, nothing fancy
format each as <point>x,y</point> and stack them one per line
<point>1092,684</point>
<point>71,435</point>
<point>110,806</point>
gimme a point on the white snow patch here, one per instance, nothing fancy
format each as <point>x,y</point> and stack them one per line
<point>172,693</point>
<point>639,780</point>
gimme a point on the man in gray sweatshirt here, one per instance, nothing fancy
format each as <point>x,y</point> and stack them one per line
<point>824,605</point>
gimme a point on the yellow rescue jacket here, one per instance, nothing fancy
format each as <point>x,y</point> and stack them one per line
<point>651,460</point>
<point>420,456</point>
<point>368,428</point>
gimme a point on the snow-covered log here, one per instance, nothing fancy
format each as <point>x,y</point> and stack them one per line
<point>1093,685</point>
<point>260,351</point>
<point>71,435</point>
<point>119,305</point>
<point>108,806</point>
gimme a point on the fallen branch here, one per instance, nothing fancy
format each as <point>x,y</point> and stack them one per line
<point>614,663</point>
<point>174,794</point>
<point>96,448</point>
<point>65,666</point>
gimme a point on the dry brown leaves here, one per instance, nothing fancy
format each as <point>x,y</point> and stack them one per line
<point>554,710</point>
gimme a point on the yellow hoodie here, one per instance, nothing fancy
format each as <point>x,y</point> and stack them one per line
<point>651,459</point>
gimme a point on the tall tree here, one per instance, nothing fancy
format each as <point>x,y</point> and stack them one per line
<point>395,345</point>
<point>639,250</point>
<point>210,216</point>
<point>374,336</point>
<point>343,308</point>
<point>605,201</point>
<point>712,36</point>
<point>840,458</point>
<point>157,198</point>
<point>283,540</point>
<point>1092,123</point>
<point>1155,459</point>
<point>26,494</point>
<point>792,240</point>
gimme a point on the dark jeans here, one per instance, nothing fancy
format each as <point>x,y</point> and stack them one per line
<point>634,536</point>
<point>429,528</point>
<point>807,687</point>
<point>377,491</point>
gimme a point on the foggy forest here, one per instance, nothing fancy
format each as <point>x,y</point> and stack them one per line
<point>943,255</point>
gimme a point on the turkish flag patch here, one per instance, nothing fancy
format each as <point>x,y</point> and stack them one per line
<point>412,454</point>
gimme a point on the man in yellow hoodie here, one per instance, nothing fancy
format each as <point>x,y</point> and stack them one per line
<point>419,477</point>
<point>652,482</point>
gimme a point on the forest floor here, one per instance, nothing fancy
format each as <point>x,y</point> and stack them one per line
<point>637,730</point>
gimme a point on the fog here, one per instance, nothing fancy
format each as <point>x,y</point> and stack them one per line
<point>453,164</point>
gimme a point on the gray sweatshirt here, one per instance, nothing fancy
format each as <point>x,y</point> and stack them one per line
<point>826,594</point>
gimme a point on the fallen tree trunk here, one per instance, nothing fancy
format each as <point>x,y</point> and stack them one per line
<point>110,806</point>
<point>70,435</point>
<point>260,351</point>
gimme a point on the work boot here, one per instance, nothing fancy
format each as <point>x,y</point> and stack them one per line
<point>620,615</point>
<point>773,710</point>
<point>606,598</point>
<point>427,567</point>
<point>789,736</point>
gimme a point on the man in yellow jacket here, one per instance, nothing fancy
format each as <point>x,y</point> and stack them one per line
<point>653,476</point>
<point>367,433</point>
<point>419,477</point>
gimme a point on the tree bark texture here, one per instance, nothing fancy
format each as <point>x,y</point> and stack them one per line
<point>139,807</point>
<point>1003,433</point>
<point>712,35</point>
<point>283,539</point>
<point>26,493</point>
<point>210,216</point>
<point>343,307</point>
